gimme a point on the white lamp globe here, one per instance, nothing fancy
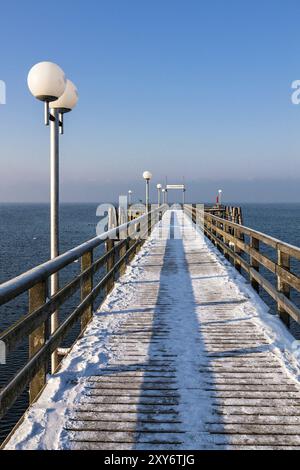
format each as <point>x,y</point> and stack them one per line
<point>158,186</point>
<point>129,192</point>
<point>163,190</point>
<point>220,191</point>
<point>46,81</point>
<point>68,99</point>
<point>147,175</point>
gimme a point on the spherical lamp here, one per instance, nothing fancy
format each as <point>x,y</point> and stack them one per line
<point>46,81</point>
<point>147,175</point>
<point>68,100</point>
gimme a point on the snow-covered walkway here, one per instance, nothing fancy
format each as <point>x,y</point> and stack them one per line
<point>182,355</point>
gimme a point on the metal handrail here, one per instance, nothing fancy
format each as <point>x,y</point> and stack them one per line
<point>33,325</point>
<point>16,286</point>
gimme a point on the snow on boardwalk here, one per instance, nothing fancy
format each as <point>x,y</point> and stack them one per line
<point>182,355</point>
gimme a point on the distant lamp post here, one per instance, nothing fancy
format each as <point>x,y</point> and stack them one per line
<point>159,186</point>
<point>163,191</point>
<point>147,177</point>
<point>129,197</point>
<point>220,192</point>
<point>47,82</point>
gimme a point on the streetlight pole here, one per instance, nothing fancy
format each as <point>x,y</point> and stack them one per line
<point>158,193</point>
<point>147,177</point>
<point>147,194</point>
<point>47,82</point>
<point>220,196</point>
<point>129,197</point>
<point>54,198</point>
<point>163,195</point>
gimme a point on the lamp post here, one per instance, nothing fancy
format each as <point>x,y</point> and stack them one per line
<point>47,82</point>
<point>158,186</point>
<point>147,177</point>
<point>220,192</point>
<point>163,195</point>
<point>129,197</point>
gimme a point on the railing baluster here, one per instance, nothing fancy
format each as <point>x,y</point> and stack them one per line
<point>37,298</point>
<point>283,261</point>
<point>86,287</point>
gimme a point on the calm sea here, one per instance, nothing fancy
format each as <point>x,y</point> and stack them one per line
<point>24,243</point>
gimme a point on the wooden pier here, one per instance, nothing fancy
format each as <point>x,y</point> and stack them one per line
<point>180,355</point>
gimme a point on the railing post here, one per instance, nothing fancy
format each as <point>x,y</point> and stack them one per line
<point>109,244</point>
<point>254,243</point>
<point>130,243</point>
<point>283,261</point>
<point>240,216</point>
<point>149,223</point>
<point>219,237</point>
<point>237,250</point>
<point>37,298</point>
<point>122,252</point>
<point>86,288</point>
<point>128,257</point>
<point>234,215</point>
<point>194,214</point>
<point>226,230</point>
<point>207,225</point>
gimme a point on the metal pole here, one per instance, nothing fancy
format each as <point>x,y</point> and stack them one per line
<point>147,195</point>
<point>46,113</point>
<point>129,198</point>
<point>183,197</point>
<point>54,214</point>
<point>158,196</point>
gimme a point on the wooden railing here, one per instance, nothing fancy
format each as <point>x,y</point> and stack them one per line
<point>232,213</point>
<point>242,246</point>
<point>121,243</point>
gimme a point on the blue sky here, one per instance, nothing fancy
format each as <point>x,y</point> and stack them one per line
<point>190,87</point>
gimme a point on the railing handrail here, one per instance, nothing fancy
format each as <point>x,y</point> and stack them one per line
<point>21,283</point>
<point>43,342</point>
<point>229,238</point>
<point>274,242</point>
<point>264,237</point>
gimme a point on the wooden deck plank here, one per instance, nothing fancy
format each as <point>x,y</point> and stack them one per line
<point>187,366</point>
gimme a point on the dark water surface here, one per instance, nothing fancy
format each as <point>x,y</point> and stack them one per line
<point>24,243</point>
<point>277,220</point>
